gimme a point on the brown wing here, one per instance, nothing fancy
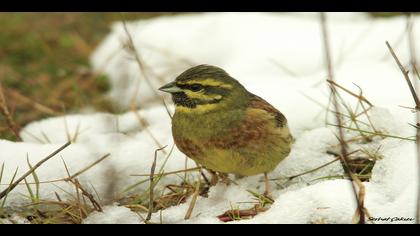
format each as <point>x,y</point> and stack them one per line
<point>188,147</point>
<point>259,103</point>
<point>256,127</point>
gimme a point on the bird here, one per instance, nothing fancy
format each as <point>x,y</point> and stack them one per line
<point>225,128</point>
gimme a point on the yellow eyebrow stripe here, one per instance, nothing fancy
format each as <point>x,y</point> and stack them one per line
<point>202,96</point>
<point>207,82</point>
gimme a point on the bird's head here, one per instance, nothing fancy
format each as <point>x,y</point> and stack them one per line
<point>205,88</point>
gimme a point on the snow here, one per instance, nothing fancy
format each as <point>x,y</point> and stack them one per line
<point>113,215</point>
<point>14,219</point>
<point>278,56</point>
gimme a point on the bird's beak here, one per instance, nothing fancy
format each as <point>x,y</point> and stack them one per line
<point>170,88</point>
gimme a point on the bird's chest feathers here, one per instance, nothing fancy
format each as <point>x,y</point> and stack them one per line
<point>205,126</point>
<point>229,130</point>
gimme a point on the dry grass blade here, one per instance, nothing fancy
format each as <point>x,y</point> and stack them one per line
<point>4,110</point>
<point>29,172</point>
<point>95,204</point>
<point>417,102</point>
<point>170,173</point>
<point>360,97</point>
<point>313,170</point>
<point>413,62</point>
<point>76,174</point>
<point>133,50</point>
<point>142,67</point>
<point>152,185</point>
<point>374,133</point>
<point>143,124</point>
<point>412,46</point>
<point>193,201</point>
<point>406,76</point>
<point>88,167</point>
<point>37,106</point>
<point>343,144</point>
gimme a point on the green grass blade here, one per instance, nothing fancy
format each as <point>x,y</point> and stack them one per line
<point>8,191</point>
<point>36,179</point>
<point>31,193</point>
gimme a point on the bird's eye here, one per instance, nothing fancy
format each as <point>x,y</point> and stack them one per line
<point>196,87</point>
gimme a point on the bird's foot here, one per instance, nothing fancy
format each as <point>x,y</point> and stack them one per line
<point>267,192</point>
<point>224,178</point>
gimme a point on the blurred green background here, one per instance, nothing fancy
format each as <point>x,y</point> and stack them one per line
<point>44,62</point>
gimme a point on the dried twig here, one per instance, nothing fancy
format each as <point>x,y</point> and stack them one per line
<point>133,50</point>
<point>413,62</point>
<point>152,186</point>
<point>313,170</point>
<point>95,204</point>
<point>30,171</point>
<point>170,173</point>
<point>142,68</point>
<point>360,96</point>
<point>143,124</point>
<point>4,110</point>
<point>406,76</point>
<point>343,156</point>
<point>76,174</point>
<point>193,201</point>
<point>37,106</point>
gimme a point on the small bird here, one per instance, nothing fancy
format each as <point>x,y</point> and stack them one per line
<point>225,128</point>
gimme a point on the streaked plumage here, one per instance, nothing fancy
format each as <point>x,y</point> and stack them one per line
<point>223,127</point>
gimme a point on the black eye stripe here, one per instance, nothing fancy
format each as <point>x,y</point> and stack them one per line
<point>181,99</point>
<point>192,87</point>
<point>196,87</point>
<point>208,89</point>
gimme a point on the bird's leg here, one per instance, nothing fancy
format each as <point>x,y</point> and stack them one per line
<point>214,178</point>
<point>225,178</point>
<point>267,192</point>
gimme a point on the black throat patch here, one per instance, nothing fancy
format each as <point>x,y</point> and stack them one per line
<point>181,99</point>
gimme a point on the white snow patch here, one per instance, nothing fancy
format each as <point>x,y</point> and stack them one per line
<point>113,215</point>
<point>275,55</point>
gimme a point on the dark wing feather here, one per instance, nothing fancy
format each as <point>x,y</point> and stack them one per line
<point>259,103</point>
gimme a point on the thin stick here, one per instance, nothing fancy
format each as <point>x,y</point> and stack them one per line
<point>193,201</point>
<point>413,62</point>
<point>4,110</point>
<point>319,167</point>
<point>142,68</point>
<point>144,125</point>
<point>152,185</point>
<point>37,106</point>
<point>88,167</point>
<point>30,171</point>
<point>170,173</point>
<point>91,198</point>
<point>343,155</point>
<point>406,76</point>
<point>412,45</point>
<point>417,108</point>
<point>373,133</point>
<point>74,175</point>
<point>360,97</point>
<point>313,170</point>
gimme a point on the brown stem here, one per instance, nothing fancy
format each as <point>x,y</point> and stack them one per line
<point>4,110</point>
<point>343,156</point>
